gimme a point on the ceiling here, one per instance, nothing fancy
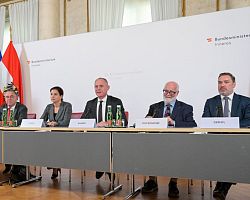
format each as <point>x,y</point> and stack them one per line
<point>4,1</point>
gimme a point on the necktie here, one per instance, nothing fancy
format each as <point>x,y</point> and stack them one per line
<point>100,112</point>
<point>167,111</point>
<point>226,107</point>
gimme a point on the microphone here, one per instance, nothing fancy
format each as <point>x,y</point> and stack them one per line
<point>155,112</point>
<point>219,111</point>
<point>87,112</point>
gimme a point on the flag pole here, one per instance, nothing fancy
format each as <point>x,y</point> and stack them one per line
<point>10,33</point>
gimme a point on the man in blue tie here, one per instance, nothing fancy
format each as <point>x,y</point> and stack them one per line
<point>177,114</point>
<point>227,104</point>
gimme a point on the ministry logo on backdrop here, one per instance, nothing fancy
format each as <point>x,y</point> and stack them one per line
<point>39,62</point>
<point>227,40</point>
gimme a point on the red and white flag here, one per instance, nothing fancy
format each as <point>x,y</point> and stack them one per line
<point>10,71</point>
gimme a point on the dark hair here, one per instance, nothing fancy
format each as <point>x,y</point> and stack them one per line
<point>227,74</point>
<point>59,89</point>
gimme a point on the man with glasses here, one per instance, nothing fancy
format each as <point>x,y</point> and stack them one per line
<point>178,114</point>
<point>227,104</point>
<point>20,112</point>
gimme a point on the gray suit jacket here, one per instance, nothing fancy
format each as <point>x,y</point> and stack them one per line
<point>62,117</point>
<point>20,112</point>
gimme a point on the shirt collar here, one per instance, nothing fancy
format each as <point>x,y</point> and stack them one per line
<point>172,103</point>
<point>229,96</point>
<point>104,99</point>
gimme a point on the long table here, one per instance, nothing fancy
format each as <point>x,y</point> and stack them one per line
<point>197,156</point>
<point>72,150</point>
<point>173,152</point>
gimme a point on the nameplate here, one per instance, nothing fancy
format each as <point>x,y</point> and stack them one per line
<point>32,123</point>
<point>82,123</point>
<point>151,123</point>
<point>220,122</point>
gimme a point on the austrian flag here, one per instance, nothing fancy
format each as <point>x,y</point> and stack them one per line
<point>10,71</point>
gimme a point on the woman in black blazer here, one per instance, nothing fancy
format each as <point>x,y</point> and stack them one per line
<point>58,113</point>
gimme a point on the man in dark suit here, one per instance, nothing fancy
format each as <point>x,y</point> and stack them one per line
<point>97,108</point>
<point>20,112</point>
<point>227,104</point>
<point>178,114</point>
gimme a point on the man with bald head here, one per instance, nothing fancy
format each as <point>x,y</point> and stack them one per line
<point>178,114</point>
<point>97,108</point>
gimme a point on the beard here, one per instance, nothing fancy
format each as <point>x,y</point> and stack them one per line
<point>168,100</point>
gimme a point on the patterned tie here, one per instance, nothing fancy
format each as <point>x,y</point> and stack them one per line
<point>100,112</point>
<point>167,111</point>
<point>226,107</point>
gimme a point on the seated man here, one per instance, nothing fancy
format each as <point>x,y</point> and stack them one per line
<point>18,172</point>
<point>97,108</point>
<point>227,104</point>
<point>177,114</point>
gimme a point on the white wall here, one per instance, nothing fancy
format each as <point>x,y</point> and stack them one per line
<point>138,60</point>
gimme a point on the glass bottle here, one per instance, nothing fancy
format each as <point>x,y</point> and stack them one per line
<point>109,116</point>
<point>4,116</point>
<point>118,116</point>
<point>12,120</point>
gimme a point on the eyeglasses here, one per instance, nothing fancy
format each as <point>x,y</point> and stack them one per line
<point>169,92</point>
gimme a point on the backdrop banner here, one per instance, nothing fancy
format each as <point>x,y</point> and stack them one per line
<point>139,60</point>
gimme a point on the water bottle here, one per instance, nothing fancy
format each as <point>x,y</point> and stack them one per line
<point>109,116</point>
<point>118,116</point>
<point>4,116</point>
<point>12,120</point>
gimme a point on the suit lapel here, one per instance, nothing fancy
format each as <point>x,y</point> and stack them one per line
<point>235,105</point>
<point>217,106</point>
<point>175,109</point>
<point>51,113</point>
<point>16,110</point>
<point>158,112</point>
<point>95,108</point>
<point>60,111</point>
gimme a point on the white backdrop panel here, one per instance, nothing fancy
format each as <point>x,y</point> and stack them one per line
<point>138,60</point>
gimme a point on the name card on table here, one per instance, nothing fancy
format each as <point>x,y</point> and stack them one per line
<point>82,123</point>
<point>220,122</point>
<point>32,123</point>
<point>151,123</point>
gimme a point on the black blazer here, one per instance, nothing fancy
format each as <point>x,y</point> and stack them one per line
<point>240,108</point>
<point>90,108</point>
<point>182,113</point>
<point>62,117</point>
<point>20,112</point>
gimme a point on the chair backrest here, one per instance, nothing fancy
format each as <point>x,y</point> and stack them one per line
<point>76,115</point>
<point>31,116</point>
<point>127,114</point>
